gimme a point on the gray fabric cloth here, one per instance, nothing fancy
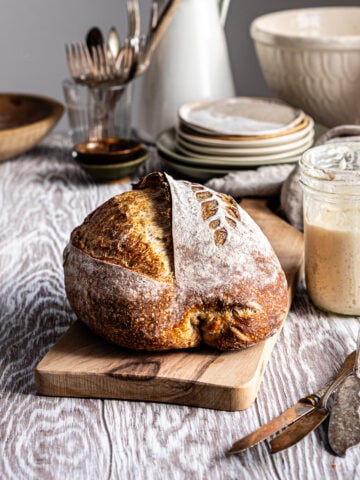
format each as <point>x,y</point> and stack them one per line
<point>291,199</point>
<point>342,133</point>
<point>153,164</point>
<point>264,181</point>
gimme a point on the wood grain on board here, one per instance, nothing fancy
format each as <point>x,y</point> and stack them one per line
<point>81,364</point>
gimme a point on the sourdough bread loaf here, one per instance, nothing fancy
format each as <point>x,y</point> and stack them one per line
<point>172,264</point>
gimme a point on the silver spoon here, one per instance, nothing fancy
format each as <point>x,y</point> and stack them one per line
<point>114,42</point>
<point>94,38</point>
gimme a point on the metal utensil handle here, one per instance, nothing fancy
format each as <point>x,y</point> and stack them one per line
<point>133,18</point>
<point>162,24</point>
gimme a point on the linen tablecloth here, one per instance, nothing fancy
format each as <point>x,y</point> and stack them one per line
<point>43,196</point>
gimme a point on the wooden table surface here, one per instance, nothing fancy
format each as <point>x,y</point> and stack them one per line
<point>43,196</point>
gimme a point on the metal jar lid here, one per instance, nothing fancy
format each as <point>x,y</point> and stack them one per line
<point>332,168</point>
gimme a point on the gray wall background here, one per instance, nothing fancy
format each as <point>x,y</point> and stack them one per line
<point>33,34</point>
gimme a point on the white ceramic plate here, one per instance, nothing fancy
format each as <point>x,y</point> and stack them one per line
<point>228,161</point>
<point>166,144</point>
<point>243,152</point>
<point>244,116</point>
<point>200,173</point>
<point>255,143</point>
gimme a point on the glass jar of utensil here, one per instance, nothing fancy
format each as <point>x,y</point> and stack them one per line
<point>98,112</point>
<point>330,177</point>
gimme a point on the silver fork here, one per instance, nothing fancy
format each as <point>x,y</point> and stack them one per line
<point>98,65</point>
<point>104,63</point>
<point>79,62</point>
<point>95,68</point>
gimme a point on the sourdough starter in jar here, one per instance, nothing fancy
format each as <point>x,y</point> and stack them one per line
<point>330,176</point>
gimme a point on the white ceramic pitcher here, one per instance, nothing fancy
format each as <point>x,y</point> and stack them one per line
<point>191,63</point>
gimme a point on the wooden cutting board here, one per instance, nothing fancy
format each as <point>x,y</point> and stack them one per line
<point>81,364</point>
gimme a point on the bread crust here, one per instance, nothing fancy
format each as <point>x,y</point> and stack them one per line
<point>202,273</point>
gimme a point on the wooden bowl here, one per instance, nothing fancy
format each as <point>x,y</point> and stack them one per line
<point>24,121</point>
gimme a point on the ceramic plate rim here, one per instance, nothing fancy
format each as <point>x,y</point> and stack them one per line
<point>193,172</point>
<point>185,109</point>
<point>255,143</point>
<point>297,128</point>
<point>236,152</point>
<point>242,160</point>
<point>190,160</point>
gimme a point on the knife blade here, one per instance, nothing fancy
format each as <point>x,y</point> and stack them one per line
<point>301,408</point>
<point>309,422</point>
<point>290,417</point>
<point>296,432</point>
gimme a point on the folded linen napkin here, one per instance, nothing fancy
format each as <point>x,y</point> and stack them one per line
<point>274,180</point>
<point>262,182</point>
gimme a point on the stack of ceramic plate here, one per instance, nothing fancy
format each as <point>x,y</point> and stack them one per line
<point>214,138</point>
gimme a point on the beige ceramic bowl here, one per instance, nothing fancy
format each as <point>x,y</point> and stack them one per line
<point>311,59</point>
<point>24,121</point>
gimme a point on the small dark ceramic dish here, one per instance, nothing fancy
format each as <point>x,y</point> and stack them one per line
<point>115,171</point>
<point>109,151</point>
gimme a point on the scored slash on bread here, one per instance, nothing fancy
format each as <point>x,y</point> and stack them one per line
<point>174,264</point>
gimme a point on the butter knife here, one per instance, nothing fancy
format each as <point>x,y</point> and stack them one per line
<point>290,417</point>
<point>301,408</point>
<point>310,421</point>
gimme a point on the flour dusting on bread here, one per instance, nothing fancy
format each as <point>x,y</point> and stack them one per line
<point>174,264</point>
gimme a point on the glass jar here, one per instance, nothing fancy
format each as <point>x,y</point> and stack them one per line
<point>330,177</point>
<point>99,112</point>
